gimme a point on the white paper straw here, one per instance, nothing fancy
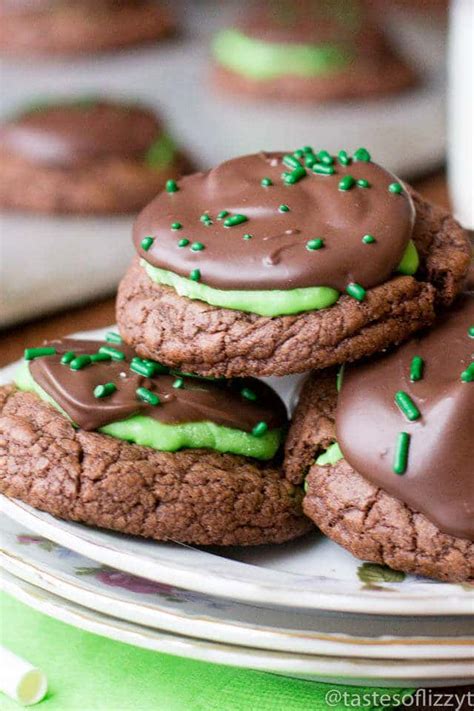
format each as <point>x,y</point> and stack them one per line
<point>20,680</point>
<point>461,111</point>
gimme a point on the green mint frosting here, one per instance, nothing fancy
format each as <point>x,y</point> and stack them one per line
<point>260,60</point>
<point>161,153</point>
<point>270,303</point>
<point>330,456</point>
<point>148,432</point>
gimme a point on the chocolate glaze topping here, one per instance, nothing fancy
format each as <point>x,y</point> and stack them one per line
<point>80,132</point>
<point>277,254</point>
<point>303,21</point>
<point>439,479</point>
<point>198,399</point>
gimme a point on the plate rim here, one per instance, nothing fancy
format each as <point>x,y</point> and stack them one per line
<point>51,578</point>
<point>138,635</point>
<point>46,525</point>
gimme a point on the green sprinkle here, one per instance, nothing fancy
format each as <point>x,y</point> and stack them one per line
<point>307,149</point>
<point>247,236</point>
<point>248,394</point>
<point>104,390</point>
<point>325,158</point>
<point>113,337</point>
<point>146,243</point>
<point>310,161</point>
<point>299,153</point>
<point>295,176</point>
<point>266,182</point>
<point>260,429</point>
<point>284,208</point>
<point>176,226</point>
<point>197,246</point>
<point>147,369</point>
<point>291,161</point>
<point>368,239</point>
<point>32,353</point>
<point>400,460</point>
<point>114,353</point>
<point>323,169</point>
<point>407,406</point>
<point>205,217</point>
<point>100,357</point>
<point>68,357</point>
<point>222,214</point>
<point>183,242</point>
<point>195,275</point>
<point>467,376</point>
<point>80,362</point>
<point>158,367</point>
<point>363,183</point>
<point>363,155</point>
<point>147,396</point>
<point>395,188</point>
<point>416,369</point>
<point>343,158</point>
<point>346,183</point>
<point>314,244</point>
<point>356,291</point>
<point>234,220</point>
<point>470,331</point>
<point>339,378</point>
<point>171,186</point>
<point>178,383</point>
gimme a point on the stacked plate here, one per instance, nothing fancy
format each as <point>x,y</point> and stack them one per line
<point>306,609</point>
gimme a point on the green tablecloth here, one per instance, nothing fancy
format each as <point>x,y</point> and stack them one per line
<point>91,673</point>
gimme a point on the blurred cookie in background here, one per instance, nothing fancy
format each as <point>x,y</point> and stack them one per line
<point>308,50</point>
<point>85,156</point>
<point>29,27</point>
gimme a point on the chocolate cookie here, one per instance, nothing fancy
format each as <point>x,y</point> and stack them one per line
<point>29,27</point>
<point>308,51</point>
<point>279,263</point>
<point>389,475</point>
<point>201,467</point>
<point>85,156</point>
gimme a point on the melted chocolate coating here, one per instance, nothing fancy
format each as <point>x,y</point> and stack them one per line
<point>303,21</point>
<point>76,133</point>
<point>439,479</point>
<point>198,400</point>
<point>276,257</point>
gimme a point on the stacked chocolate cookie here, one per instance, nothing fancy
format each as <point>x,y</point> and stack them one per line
<point>270,264</point>
<point>85,156</point>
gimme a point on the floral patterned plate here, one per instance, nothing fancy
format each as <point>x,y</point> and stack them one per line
<point>68,574</point>
<point>338,670</point>
<point>311,573</point>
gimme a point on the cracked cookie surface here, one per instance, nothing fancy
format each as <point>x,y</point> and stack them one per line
<point>353,512</point>
<point>209,340</point>
<point>192,496</point>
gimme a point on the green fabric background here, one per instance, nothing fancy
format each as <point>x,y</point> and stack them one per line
<point>91,673</point>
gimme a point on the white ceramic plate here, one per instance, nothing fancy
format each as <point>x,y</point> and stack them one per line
<point>337,670</point>
<point>81,580</point>
<point>264,575</point>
